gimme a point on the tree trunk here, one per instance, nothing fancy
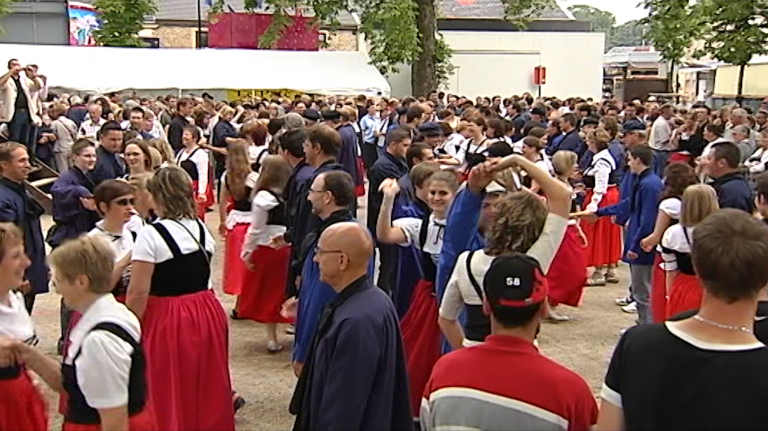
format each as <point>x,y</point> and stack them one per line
<point>740,90</point>
<point>423,80</point>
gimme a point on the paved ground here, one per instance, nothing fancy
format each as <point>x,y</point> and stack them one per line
<point>267,381</point>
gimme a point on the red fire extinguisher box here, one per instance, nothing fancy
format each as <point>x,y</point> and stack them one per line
<point>539,75</point>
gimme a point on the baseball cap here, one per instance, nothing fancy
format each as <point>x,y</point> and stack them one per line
<point>515,280</point>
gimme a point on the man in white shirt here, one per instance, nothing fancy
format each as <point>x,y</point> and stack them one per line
<point>661,134</point>
<point>91,126</point>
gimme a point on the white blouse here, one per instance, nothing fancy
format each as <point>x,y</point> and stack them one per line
<point>756,162</point>
<point>15,321</point>
<point>674,239</point>
<point>412,229</point>
<point>602,166</point>
<point>121,244</point>
<point>200,158</point>
<point>104,364</point>
<point>259,232</point>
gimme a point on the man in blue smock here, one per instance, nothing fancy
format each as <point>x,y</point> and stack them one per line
<point>355,374</point>
<point>330,195</point>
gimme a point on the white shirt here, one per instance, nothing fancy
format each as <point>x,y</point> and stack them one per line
<point>104,364</point>
<point>756,162</point>
<point>14,319</point>
<point>459,290</point>
<point>259,232</point>
<point>236,217</point>
<point>411,227</point>
<point>256,154</point>
<point>661,133</point>
<point>602,166</point>
<point>66,134</point>
<point>200,158</point>
<point>150,246</point>
<point>671,207</point>
<point>121,244</point>
<point>89,129</point>
<point>674,239</point>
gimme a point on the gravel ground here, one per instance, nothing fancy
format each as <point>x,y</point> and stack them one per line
<point>267,381</point>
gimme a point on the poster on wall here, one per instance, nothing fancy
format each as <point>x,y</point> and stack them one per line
<point>83,20</point>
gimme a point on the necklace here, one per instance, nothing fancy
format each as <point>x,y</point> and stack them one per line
<point>722,326</point>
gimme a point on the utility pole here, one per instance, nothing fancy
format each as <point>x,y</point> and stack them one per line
<point>199,25</point>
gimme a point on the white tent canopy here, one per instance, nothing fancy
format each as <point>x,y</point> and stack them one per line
<point>103,70</point>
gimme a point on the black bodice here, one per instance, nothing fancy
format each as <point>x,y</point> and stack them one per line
<point>184,273</point>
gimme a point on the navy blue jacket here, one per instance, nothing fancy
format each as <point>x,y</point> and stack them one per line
<point>572,142</point>
<point>71,217</point>
<point>642,206</point>
<point>306,221</point>
<point>350,142</point>
<point>355,377</point>
<point>408,271</point>
<point>18,207</point>
<point>109,166</point>
<point>733,191</point>
<point>387,166</point>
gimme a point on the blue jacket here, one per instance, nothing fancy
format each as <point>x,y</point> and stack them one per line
<point>18,207</point>
<point>554,143</point>
<point>572,142</point>
<point>642,206</point>
<point>72,219</point>
<point>355,377</point>
<point>350,142</point>
<point>109,166</point>
<point>313,294</point>
<point>461,234</point>
<point>619,154</point>
<point>386,166</point>
<point>625,190</point>
<point>408,271</point>
<point>733,191</point>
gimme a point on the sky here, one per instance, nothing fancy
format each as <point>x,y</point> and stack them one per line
<point>625,10</point>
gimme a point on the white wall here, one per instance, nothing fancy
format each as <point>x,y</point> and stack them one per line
<point>501,63</point>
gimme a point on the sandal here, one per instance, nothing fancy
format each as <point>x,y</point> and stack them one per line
<point>595,282</point>
<point>611,278</point>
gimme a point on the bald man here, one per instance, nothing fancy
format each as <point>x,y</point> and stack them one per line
<point>354,377</point>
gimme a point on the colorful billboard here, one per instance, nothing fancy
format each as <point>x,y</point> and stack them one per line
<point>83,20</point>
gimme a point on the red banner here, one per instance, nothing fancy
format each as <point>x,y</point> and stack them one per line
<point>243,30</point>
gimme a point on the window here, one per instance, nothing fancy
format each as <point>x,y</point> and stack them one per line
<point>151,42</point>
<point>201,39</point>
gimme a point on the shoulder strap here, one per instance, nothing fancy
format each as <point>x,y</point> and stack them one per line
<point>116,330</point>
<point>472,278</point>
<point>424,231</point>
<point>166,236</point>
<point>687,239</point>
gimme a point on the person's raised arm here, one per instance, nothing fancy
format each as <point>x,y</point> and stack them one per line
<point>385,232</point>
<point>558,195</point>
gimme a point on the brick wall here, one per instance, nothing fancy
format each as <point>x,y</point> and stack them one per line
<point>342,40</point>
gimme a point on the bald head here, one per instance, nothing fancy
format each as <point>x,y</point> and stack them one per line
<point>352,238</point>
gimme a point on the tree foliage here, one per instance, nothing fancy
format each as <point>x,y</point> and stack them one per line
<point>631,33</point>
<point>121,21</point>
<point>672,26</point>
<point>5,9</point>
<point>391,29</point>
<point>735,31</point>
<point>602,21</point>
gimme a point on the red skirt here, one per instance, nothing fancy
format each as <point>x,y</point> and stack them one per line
<point>264,287</point>
<point>186,343</point>
<point>679,158</point>
<point>360,180</point>
<point>603,236</point>
<point>234,268</point>
<point>22,407</point>
<point>659,291</point>
<point>144,421</point>
<point>209,199</point>
<point>421,339</point>
<point>685,295</point>
<point>568,273</point>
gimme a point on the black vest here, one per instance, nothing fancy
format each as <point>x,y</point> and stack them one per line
<point>184,273</point>
<point>78,410</point>
<point>278,216</point>
<point>478,324</point>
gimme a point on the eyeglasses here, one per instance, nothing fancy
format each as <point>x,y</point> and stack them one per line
<point>316,191</point>
<point>320,252</point>
<point>125,202</point>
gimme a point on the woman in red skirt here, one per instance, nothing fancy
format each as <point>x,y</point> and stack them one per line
<point>103,372</point>
<point>421,333</point>
<point>677,177</point>
<point>235,215</point>
<point>267,268</point>
<point>603,236</point>
<point>195,161</point>
<point>21,404</point>
<point>568,272</point>
<point>184,324</point>
<point>684,289</point>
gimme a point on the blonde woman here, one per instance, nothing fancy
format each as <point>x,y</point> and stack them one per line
<point>684,289</point>
<point>185,326</point>
<point>165,149</point>
<point>263,292</point>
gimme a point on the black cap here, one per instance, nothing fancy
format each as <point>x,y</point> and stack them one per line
<point>633,126</point>
<point>431,129</point>
<point>538,111</point>
<point>590,121</point>
<point>331,115</point>
<point>515,280</point>
<point>311,115</point>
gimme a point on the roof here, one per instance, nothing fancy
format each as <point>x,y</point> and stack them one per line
<point>494,9</point>
<point>186,10</point>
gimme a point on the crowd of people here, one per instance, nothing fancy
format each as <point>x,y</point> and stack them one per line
<point>486,218</point>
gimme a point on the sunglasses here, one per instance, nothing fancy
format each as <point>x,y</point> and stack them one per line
<point>125,202</point>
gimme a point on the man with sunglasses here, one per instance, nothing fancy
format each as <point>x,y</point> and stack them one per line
<point>355,376</point>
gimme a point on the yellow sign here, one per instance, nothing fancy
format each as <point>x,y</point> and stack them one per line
<point>244,95</point>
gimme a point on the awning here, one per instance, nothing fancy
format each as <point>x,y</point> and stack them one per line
<point>102,69</point>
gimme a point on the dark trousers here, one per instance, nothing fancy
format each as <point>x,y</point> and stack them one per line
<point>387,264</point>
<point>21,130</point>
<point>370,155</point>
<point>29,301</point>
<point>660,159</point>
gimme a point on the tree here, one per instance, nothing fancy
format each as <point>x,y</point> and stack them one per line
<point>631,33</point>
<point>5,9</point>
<point>735,31</point>
<point>602,21</point>
<point>672,26</point>
<point>397,31</point>
<point>121,21</point>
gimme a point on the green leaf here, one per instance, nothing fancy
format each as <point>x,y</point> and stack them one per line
<point>121,21</point>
